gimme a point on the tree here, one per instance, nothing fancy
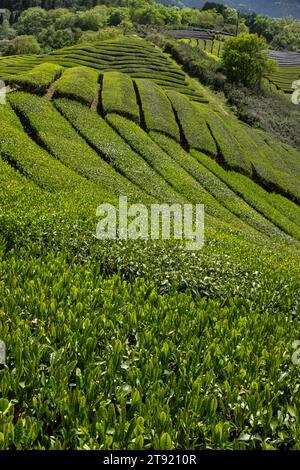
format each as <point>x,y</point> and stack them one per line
<point>22,45</point>
<point>246,61</point>
<point>148,15</point>
<point>32,21</point>
<point>264,26</point>
<point>6,31</point>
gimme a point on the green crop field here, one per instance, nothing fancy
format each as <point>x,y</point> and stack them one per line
<point>141,344</point>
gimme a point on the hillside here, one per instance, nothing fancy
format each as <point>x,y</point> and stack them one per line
<point>142,345</point>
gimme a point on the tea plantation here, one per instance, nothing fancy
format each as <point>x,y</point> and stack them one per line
<point>142,344</point>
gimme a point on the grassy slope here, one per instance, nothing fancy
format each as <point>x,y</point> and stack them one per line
<point>191,348</point>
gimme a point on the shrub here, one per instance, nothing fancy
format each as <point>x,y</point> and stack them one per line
<point>193,124</point>
<point>185,185</point>
<point>219,187</point>
<point>229,149</point>
<point>255,196</point>
<point>47,172</point>
<point>101,35</point>
<point>262,109</point>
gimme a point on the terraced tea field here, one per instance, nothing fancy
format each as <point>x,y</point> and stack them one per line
<point>142,344</point>
<point>210,41</point>
<point>135,57</point>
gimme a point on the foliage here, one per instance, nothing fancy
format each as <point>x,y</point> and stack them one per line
<point>132,56</point>
<point>195,62</point>
<point>254,195</point>
<point>263,109</point>
<point>38,79</point>
<point>157,110</point>
<point>48,173</point>
<point>221,200</point>
<point>118,96</point>
<point>114,150</point>
<point>281,33</point>
<point>32,21</point>
<point>79,83</point>
<point>138,355</point>
<point>71,329</point>
<point>6,31</point>
<point>55,134</point>
<point>102,35</point>
<point>164,164</point>
<point>193,124</point>
<point>143,344</point>
<point>22,45</point>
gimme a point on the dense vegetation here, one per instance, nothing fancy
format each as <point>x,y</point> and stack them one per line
<point>59,27</point>
<point>142,345</point>
<point>272,8</point>
<point>58,23</point>
<point>259,107</point>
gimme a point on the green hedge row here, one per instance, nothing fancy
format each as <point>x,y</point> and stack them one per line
<point>113,148</point>
<point>157,110</point>
<point>229,149</point>
<point>187,187</point>
<point>53,132</point>
<point>156,75</point>
<point>220,200</point>
<point>88,61</point>
<point>271,166</point>
<point>288,159</point>
<point>38,79</point>
<point>8,116</point>
<point>286,207</point>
